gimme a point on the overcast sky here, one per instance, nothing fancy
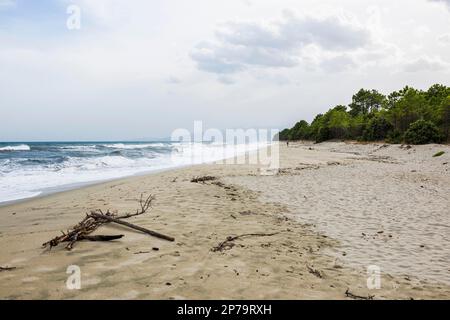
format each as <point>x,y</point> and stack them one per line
<point>139,68</point>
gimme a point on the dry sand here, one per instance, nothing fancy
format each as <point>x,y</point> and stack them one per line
<point>335,208</point>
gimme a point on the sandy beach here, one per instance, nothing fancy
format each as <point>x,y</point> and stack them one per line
<point>332,210</point>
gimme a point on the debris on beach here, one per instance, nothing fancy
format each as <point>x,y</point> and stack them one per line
<point>97,218</point>
<point>229,242</point>
<point>218,183</point>
<point>7,268</point>
<point>357,297</point>
<point>141,252</point>
<point>315,272</point>
<point>203,179</point>
<point>247,213</point>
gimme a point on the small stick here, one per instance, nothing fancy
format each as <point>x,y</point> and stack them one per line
<point>228,243</point>
<point>7,268</point>
<point>315,272</point>
<point>101,237</point>
<point>132,226</point>
<point>203,179</point>
<point>354,296</point>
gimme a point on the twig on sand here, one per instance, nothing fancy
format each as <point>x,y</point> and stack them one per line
<point>315,272</point>
<point>7,268</point>
<point>141,252</point>
<point>202,179</point>
<point>354,296</point>
<point>229,242</point>
<point>97,218</point>
<point>102,237</point>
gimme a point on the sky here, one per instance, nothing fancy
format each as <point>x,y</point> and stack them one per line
<point>139,69</point>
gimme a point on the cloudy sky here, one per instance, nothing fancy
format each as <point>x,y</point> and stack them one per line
<point>139,68</point>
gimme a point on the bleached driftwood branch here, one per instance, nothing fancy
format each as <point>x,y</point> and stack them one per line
<point>97,218</point>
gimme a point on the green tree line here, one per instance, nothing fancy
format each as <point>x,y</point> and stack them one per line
<point>405,116</point>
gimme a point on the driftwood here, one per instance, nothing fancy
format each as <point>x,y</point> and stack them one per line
<point>97,218</point>
<point>228,243</point>
<point>354,296</point>
<point>141,252</point>
<point>315,272</point>
<point>203,179</point>
<point>132,226</point>
<point>102,238</point>
<point>7,268</point>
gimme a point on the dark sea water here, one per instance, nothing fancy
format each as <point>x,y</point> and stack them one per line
<point>28,169</point>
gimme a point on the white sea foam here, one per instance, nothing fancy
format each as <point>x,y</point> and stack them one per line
<point>132,146</point>
<point>21,147</point>
<point>79,148</point>
<point>20,181</point>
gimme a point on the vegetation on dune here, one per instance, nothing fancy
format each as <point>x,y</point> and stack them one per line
<point>422,132</point>
<point>408,115</point>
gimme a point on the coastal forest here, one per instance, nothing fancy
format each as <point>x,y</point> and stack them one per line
<point>406,116</point>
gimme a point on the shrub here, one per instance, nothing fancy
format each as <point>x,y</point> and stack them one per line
<point>394,137</point>
<point>438,154</point>
<point>377,129</point>
<point>422,132</point>
<point>323,134</point>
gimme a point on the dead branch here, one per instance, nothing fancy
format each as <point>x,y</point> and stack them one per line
<point>144,206</point>
<point>315,272</point>
<point>88,225</point>
<point>133,226</point>
<point>102,237</point>
<point>97,218</point>
<point>229,242</point>
<point>354,296</point>
<point>203,179</point>
<point>7,268</point>
<point>141,252</point>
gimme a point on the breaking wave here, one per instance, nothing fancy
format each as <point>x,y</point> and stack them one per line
<point>20,147</point>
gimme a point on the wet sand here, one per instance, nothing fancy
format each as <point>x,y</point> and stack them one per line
<point>330,211</point>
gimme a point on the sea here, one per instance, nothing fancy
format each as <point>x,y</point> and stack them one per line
<point>30,169</point>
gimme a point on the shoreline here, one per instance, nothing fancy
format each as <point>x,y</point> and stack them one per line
<point>298,261</point>
<point>76,186</point>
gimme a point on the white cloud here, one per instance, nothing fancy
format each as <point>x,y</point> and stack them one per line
<point>426,64</point>
<point>144,57</point>
<point>422,31</point>
<point>226,80</point>
<point>444,39</point>
<point>447,2</point>
<point>173,80</point>
<point>278,44</point>
<point>338,63</point>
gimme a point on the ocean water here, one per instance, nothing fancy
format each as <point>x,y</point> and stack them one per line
<point>30,169</point>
